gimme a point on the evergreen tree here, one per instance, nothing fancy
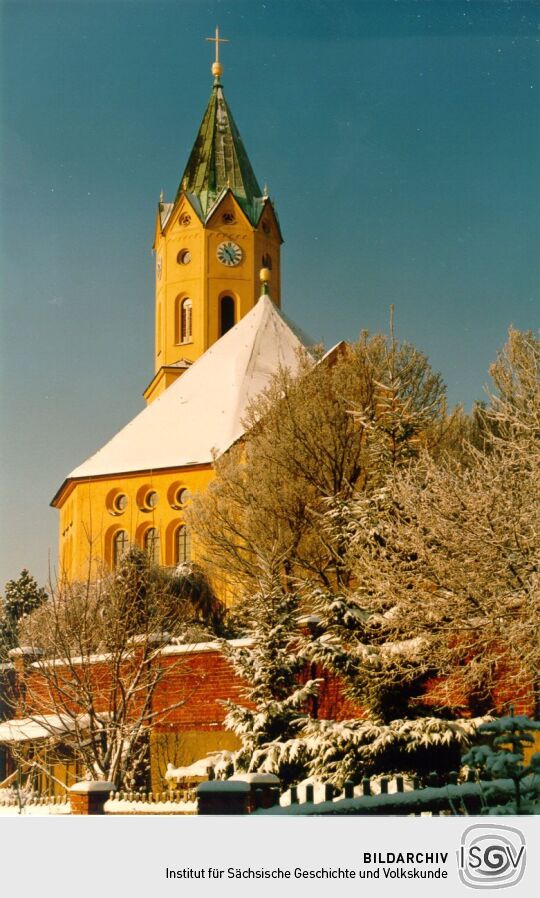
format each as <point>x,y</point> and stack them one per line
<point>277,698</point>
<point>21,598</point>
<point>148,590</point>
<point>504,758</point>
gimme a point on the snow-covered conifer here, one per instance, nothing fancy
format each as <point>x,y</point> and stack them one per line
<point>277,695</point>
<point>21,597</point>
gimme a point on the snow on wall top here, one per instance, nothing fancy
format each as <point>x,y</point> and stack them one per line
<point>202,411</point>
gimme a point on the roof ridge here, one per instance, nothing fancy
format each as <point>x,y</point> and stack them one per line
<point>205,408</point>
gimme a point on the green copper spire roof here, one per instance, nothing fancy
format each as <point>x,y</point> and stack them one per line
<point>219,161</point>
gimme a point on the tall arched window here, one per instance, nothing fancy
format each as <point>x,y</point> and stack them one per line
<point>185,331</point>
<point>226,314</point>
<point>151,544</point>
<point>182,545</point>
<point>120,546</point>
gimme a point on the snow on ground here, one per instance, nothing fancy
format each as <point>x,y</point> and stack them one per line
<point>30,806</point>
<point>126,806</point>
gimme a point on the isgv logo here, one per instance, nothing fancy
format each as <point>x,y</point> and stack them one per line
<point>491,857</point>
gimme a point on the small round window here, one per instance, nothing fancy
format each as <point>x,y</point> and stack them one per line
<point>228,218</point>
<point>151,499</point>
<point>184,257</point>
<point>116,502</point>
<point>183,496</point>
<point>185,219</point>
<point>120,503</point>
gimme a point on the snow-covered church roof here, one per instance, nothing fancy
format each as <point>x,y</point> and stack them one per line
<point>202,411</point>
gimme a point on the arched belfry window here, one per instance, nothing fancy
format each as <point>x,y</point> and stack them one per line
<point>151,544</point>
<point>185,329</point>
<point>226,314</point>
<point>120,546</point>
<point>182,545</point>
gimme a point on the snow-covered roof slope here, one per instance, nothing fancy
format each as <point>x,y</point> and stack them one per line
<point>42,726</point>
<point>203,410</point>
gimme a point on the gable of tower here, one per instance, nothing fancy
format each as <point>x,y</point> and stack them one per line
<point>269,222</point>
<point>227,214</point>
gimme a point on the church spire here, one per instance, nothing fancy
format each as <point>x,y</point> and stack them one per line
<point>218,159</point>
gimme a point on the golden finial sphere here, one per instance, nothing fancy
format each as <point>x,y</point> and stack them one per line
<point>217,69</point>
<point>265,275</point>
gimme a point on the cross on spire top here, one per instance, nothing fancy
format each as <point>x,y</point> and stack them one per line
<point>217,68</point>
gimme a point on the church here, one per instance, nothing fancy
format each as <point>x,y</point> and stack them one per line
<point>219,338</point>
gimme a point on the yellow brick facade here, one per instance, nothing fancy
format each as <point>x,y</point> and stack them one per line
<point>91,519</point>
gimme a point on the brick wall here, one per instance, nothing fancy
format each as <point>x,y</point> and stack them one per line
<point>201,680</point>
<point>188,701</point>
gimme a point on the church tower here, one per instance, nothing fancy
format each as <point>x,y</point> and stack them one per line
<point>210,244</point>
<point>219,338</point>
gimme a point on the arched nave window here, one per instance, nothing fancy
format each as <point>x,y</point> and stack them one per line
<point>151,544</point>
<point>182,545</point>
<point>120,546</point>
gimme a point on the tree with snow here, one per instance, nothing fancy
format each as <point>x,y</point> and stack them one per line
<point>98,662</point>
<point>21,597</point>
<point>314,441</point>
<point>444,609</point>
<point>276,696</point>
<point>310,436</point>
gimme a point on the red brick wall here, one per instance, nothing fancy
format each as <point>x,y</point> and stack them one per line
<point>195,683</point>
<point>200,681</point>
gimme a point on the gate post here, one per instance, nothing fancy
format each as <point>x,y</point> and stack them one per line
<point>89,796</point>
<point>222,797</point>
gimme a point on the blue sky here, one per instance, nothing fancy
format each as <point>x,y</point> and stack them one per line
<point>399,140</point>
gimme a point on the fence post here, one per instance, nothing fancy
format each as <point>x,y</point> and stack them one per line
<point>222,797</point>
<point>89,797</point>
<point>348,789</point>
<point>263,788</point>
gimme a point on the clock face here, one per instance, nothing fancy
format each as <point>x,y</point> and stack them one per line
<point>229,253</point>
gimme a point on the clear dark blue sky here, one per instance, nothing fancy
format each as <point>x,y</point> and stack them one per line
<point>400,142</point>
